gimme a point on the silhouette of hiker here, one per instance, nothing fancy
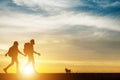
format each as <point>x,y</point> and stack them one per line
<point>13,53</point>
<point>29,51</point>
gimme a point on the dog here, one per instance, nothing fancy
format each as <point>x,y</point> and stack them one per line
<point>67,70</point>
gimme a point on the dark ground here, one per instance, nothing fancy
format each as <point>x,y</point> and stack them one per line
<point>62,76</point>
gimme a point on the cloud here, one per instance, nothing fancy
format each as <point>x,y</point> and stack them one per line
<point>114,4</point>
<point>103,3</point>
<point>41,23</point>
<point>87,42</point>
<point>47,5</point>
<point>99,7</point>
<point>75,29</point>
<point>55,7</point>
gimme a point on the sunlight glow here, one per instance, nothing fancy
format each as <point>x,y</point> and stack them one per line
<point>28,70</point>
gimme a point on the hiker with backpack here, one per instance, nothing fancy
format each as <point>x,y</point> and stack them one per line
<point>13,53</point>
<point>29,51</point>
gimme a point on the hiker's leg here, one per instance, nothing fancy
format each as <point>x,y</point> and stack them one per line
<point>29,60</point>
<point>33,63</point>
<point>17,65</point>
<point>12,62</point>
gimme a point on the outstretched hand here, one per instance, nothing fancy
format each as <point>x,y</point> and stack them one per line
<point>38,54</point>
<point>25,54</point>
<point>6,54</point>
<point>22,54</point>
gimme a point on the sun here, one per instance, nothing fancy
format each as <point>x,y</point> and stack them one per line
<point>28,70</point>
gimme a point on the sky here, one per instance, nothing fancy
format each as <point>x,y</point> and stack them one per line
<point>82,35</point>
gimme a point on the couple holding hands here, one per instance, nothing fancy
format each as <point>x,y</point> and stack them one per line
<point>28,51</point>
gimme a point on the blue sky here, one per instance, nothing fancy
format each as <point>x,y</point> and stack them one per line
<point>103,7</point>
<point>82,29</point>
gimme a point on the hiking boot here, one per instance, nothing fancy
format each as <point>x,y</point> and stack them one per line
<point>5,70</point>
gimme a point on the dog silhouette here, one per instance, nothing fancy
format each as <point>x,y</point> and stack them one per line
<point>67,70</point>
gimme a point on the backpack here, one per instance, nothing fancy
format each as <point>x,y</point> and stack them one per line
<point>26,48</point>
<point>10,51</point>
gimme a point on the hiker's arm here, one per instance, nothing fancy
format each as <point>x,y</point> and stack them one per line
<point>37,53</point>
<point>21,53</point>
<point>6,54</point>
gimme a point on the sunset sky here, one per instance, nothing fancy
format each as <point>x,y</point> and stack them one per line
<point>83,35</point>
